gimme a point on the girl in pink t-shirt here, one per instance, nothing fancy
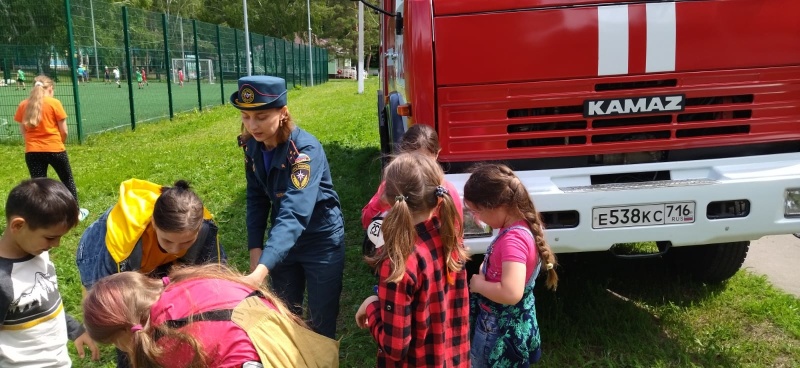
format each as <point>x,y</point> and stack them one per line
<point>132,310</point>
<point>506,332</point>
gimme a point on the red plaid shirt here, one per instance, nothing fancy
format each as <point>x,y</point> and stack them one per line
<point>422,321</point>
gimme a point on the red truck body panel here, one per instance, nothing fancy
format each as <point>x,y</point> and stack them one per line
<point>508,79</point>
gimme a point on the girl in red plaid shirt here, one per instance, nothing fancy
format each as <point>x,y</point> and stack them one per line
<point>420,317</point>
<point>506,332</point>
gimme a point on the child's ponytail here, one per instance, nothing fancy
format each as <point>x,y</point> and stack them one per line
<point>146,350</point>
<point>399,237</point>
<point>451,231</point>
<point>33,111</point>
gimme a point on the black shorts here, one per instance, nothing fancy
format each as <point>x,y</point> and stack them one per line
<point>20,81</point>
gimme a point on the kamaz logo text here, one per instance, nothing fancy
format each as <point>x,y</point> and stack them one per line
<point>625,106</point>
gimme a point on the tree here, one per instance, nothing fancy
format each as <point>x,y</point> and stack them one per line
<point>338,23</point>
<point>32,31</point>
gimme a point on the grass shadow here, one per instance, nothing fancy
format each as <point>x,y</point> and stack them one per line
<point>608,312</point>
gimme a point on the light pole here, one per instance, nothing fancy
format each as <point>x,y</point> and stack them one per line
<point>183,52</point>
<point>247,40</point>
<point>94,38</point>
<point>360,69</point>
<point>310,57</point>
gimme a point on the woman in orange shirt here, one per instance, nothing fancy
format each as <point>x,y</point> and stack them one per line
<point>43,123</point>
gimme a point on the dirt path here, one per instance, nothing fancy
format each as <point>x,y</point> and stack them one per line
<point>777,257</point>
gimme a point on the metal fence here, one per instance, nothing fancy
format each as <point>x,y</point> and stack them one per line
<point>183,64</point>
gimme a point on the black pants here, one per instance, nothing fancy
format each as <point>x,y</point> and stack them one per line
<point>37,166</point>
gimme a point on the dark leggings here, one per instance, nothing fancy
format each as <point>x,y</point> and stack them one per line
<point>38,162</point>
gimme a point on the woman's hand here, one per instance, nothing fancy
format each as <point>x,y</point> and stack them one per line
<point>361,314</point>
<point>257,277</point>
<point>255,255</point>
<point>84,339</point>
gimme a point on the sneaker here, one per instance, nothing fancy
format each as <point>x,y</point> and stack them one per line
<point>83,214</point>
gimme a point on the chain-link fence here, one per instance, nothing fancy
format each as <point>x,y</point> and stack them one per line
<point>129,65</point>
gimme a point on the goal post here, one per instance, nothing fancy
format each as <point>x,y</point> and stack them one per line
<point>189,67</point>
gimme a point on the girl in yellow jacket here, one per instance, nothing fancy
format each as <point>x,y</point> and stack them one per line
<point>148,230</point>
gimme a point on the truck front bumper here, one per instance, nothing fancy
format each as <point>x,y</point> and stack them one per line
<point>761,180</point>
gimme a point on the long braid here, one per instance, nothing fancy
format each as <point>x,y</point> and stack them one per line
<point>534,220</point>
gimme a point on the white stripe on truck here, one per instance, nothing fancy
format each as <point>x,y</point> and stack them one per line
<point>612,48</point>
<point>660,37</point>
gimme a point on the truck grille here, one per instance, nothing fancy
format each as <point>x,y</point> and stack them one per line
<point>573,120</point>
<point>703,117</point>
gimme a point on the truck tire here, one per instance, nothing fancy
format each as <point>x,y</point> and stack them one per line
<point>711,263</point>
<point>383,131</point>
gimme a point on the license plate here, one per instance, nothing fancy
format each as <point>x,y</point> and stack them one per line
<point>643,215</point>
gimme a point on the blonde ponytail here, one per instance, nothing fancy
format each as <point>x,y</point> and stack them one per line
<point>399,236</point>
<point>146,350</point>
<point>451,232</point>
<point>33,111</point>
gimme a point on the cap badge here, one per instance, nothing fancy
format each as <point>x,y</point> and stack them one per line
<point>247,95</point>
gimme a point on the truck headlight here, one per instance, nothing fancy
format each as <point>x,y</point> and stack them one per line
<point>791,207</point>
<point>474,228</point>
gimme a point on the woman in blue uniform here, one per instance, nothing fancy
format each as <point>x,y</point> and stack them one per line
<point>289,184</point>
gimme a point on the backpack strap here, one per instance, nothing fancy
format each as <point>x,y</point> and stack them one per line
<point>212,315</point>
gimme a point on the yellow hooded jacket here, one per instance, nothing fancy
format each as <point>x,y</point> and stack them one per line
<point>130,220</point>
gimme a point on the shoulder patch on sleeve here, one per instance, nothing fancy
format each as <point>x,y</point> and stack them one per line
<point>301,172</point>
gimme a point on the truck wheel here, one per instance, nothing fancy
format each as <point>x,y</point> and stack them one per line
<point>383,131</point>
<point>712,263</point>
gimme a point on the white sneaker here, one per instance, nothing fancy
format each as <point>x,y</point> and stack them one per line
<point>83,213</point>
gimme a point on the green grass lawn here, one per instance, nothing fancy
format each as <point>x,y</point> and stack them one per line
<point>606,312</point>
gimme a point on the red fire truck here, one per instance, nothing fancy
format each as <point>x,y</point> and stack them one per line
<point>674,122</point>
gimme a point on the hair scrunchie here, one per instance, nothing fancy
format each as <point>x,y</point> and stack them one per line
<point>38,84</point>
<point>136,328</point>
<point>441,191</point>
<point>400,198</point>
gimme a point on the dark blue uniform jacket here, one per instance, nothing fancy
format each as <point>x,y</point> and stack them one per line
<point>297,194</point>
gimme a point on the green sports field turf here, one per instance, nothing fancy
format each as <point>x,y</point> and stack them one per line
<point>105,106</point>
